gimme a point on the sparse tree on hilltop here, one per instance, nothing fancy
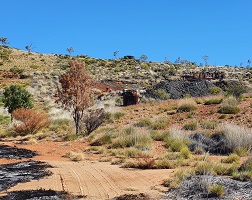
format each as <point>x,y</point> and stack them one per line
<point>4,40</point>
<point>70,50</point>
<point>115,54</point>
<point>29,48</point>
<point>74,92</point>
<point>206,58</point>
<point>143,58</point>
<point>249,62</point>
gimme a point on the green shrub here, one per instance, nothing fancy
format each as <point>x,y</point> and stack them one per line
<point>213,101</point>
<point>132,152</point>
<point>247,165</point>
<point>59,124</point>
<point>118,115</point>
<point>175,144</point>
<point>191,126</point>
<point>34,66</point>
<point>229,110</point>
<point>16,70</point>
<point>236,91</point>
<point>209,124</point>
<point>185,152</point>
<point>242,176</point>
<point>216,190</point>
<point>70,137</point>
<point>204,168</point>
<point>104,139</point>
<point>4,119</point>
<point>139,140</point>
<point>159,136</point>
<point>165,164</point>
<point>160,123</point>
<point>144,122</point>
<point>223,116</point>
<point>232,158</point>
<point>186,105</point>
<point>161,94</point>
<point>215,90</point>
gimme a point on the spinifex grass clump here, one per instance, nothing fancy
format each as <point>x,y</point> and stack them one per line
<point>213,100</point>
<point>238,138</point>
<point>229,106</point>
<point>187,105</point>
<point>132,137</point>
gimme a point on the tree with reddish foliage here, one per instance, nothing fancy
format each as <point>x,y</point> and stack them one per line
<point>74,92</point>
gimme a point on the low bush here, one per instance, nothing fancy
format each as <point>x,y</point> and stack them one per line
<point>229,110</point>
<point>186,105</point>
<point>30,121</point>
<point>237,137</point>
<point>92,120</point>
<point>133,138</point>
<point>144,122</point>
<point>185,152</point>
<point>74,156</point>
<point>191,126</point>
<point>209,124</point>
<point>242,176</point>
<point>223,116</point>
<point>247,165</point>
<point>232,158</point>
<point>4,119</point>
<point>132,152</point>
<point>118,115</point>
<point>104,139</point>
<point>213,100</point>
<point>216,190</point>
<point>62,127</point>
<point>215,90</point>
<point>160,123</point>
<point>165,164</point>
<point>236,91</point>
<point>159,136</point>
<point>70,137</point>
<point>206,168</point>
<point>175,144</point>
<point>161,94</point>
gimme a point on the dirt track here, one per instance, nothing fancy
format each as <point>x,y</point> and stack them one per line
<point>98,180</point>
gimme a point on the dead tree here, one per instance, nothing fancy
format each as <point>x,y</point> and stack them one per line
<point>74,92</point>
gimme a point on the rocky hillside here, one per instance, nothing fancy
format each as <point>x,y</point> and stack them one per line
<point>39,72</point>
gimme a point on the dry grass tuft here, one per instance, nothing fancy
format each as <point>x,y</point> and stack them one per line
<point>74,156</point>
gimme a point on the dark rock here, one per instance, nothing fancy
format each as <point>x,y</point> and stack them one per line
<point>179,88</point>
<point>216,144</point>
<point>195,187</point>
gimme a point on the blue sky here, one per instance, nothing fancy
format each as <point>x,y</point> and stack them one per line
<point>190,29</point>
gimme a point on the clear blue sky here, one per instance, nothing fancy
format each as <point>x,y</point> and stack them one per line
<point>221,29</point>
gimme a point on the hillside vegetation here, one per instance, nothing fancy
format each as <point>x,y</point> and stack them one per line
<point>200,128</point>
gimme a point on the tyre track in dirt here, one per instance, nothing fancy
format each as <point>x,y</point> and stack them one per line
<point>98,180</point>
